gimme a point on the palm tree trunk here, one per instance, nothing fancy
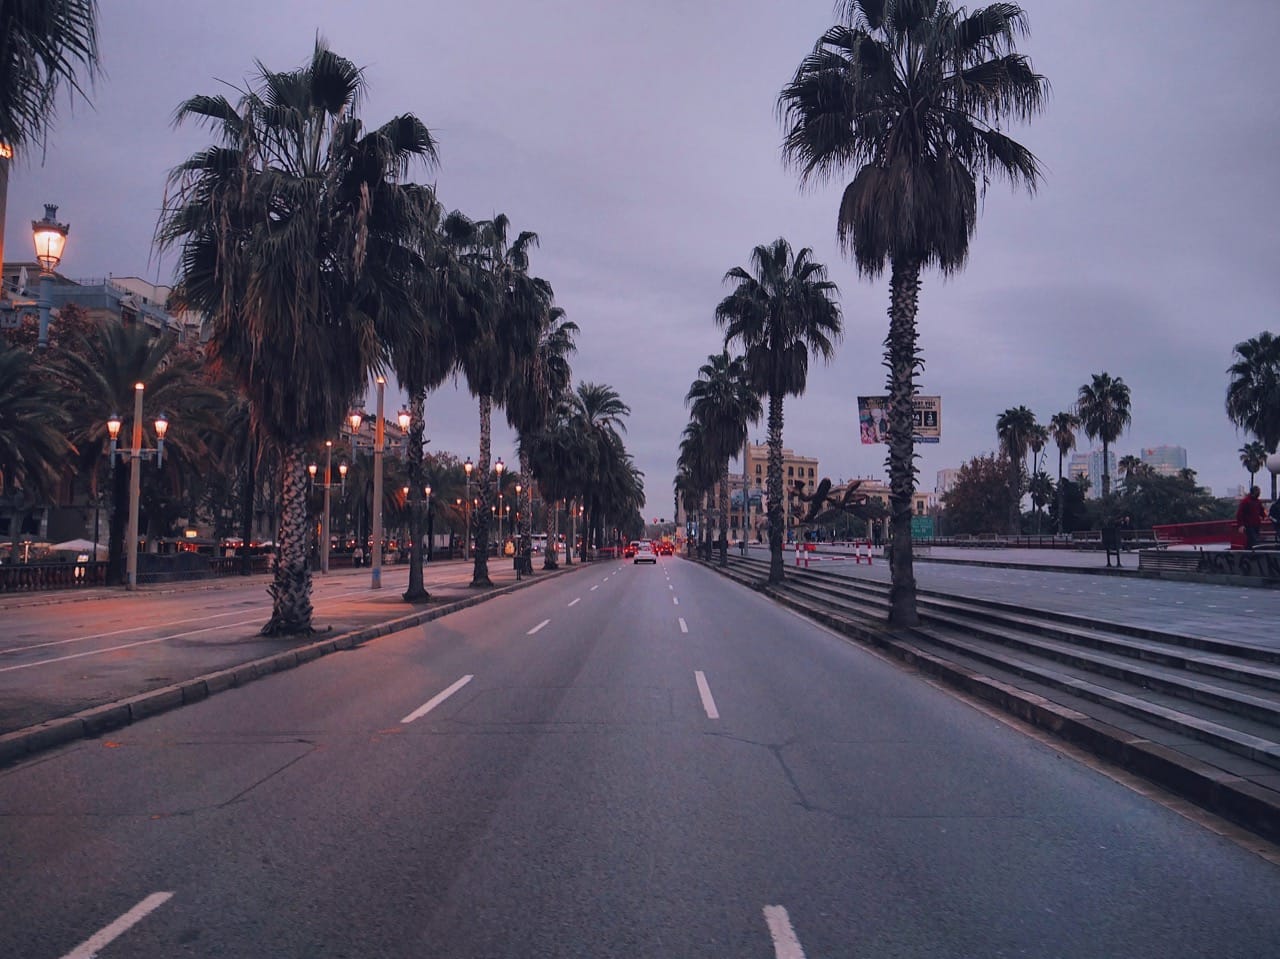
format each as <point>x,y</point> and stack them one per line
<point>902,359</point>
<point>724,514</point>
<point>417,592</point>
<point>746,495</point>
<point>1015,493</point>
<point>1106,469</point>
<point>1058,492</point>
<point>291,585</point>
<point>480,513</point>
<point>775,487</point>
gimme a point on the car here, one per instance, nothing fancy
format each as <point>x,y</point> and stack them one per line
<point>630,550</point>
<point>665,548</point>
<point>644,553</point>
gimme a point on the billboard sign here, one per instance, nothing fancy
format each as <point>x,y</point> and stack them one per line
<point>873,418</point>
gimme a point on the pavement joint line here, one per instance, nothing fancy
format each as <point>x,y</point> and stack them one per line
<point>96,720</point>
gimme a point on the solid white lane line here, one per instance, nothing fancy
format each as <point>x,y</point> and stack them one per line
<point>576,601</point>
<point>436,700</point>
<point>708,701</point>
<point>684,627</point>
<point>91,946</point>
<point>538,627</point>
<point>595,587</point>
<point>785,943</point>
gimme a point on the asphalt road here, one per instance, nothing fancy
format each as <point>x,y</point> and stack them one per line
<point>621,762</point>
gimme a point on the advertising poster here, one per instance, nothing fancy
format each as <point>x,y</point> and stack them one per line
<point>873,419</point>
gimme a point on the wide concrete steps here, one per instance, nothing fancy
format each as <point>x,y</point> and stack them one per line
<point>1210,709</point>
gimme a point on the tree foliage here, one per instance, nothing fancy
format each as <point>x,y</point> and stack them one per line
<point>980,500</point>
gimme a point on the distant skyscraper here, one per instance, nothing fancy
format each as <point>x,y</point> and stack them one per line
<point>1089,465</point>
<point>1165,460</point>
<point>946,479</point>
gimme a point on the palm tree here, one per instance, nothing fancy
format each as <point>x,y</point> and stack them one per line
<point>500,328</point>
<point>102,370</point>
<point>722,400</point>
<point>1062,429</point>
<point>910,96</point>
<point>781,312</point>
<point>1040,486</point>
<point>698,470</point>
<point>1103,406</point>
<point>598,414</point>
<point>1253,456</point>
<point>541,381</point>
<point>422,360</point>
<point>1253,393</point>
<point>1015,427</point>
<point>33,449</point>
<point>43,47</point>
<point>301,245</point>
<point>1129,465</point>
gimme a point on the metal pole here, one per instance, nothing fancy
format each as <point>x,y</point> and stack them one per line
<point>324,520</point>
<point>135,479</point>
<point>45,304</point>
<point>379,438</point>
<point>466,521</point>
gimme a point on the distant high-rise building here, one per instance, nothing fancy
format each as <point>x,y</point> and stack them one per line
<point>1165,460</point>
<point>946,479</point>
<point>1089,466</point>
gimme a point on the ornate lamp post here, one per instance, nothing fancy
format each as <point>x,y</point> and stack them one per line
<point>136,454</point>
<point>50,238</point>
<point>327,486</point>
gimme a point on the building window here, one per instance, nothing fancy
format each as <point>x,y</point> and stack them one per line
<point>810,472</point>
<point>791,471</point>
<point>757,469</point>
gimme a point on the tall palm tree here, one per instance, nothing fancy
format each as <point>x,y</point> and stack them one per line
<point>540,384</point>
<point>1253,456</point>
<point>910,96</point>
<point>599,415</point>
<point>1015,428</point>
<point>422,360</point>
<point>300,243</point>
<point>1062,430</point>
<point>723,401</point>
<point>698,470</point>
<point>782,311</point>
<point>1104,408</point>
<point>1253,392</point>
<point>33,448</point>
<point>504,307</point>
<point>102,370</point>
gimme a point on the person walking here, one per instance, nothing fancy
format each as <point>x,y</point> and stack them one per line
<point>1249,517</point>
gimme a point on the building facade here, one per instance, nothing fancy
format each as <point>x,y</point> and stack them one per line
<point>1165,460</point>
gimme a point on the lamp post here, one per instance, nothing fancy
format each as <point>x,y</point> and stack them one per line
<point>426,490</point>
<point>50,237</point>
<point>379,439</point>
<point>327,486</point>
<point>136,455</point>
<point>467,467</point>
<point>498,467</point>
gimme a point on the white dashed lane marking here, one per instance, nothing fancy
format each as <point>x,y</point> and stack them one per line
<point>785,943</point>
<point>100,940</point>
<point>538,627</point>
<point>576,601</point>
<point>436,700</point>
<point>684,628</point>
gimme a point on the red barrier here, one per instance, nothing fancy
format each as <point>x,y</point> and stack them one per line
<point>1214,532</point>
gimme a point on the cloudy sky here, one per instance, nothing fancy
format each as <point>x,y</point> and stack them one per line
<point>640,141</point>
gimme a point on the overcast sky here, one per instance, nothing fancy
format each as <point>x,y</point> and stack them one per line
<point>641,142</point>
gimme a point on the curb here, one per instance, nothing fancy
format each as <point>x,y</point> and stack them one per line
<point>96,720</point>
<point>1232,797</point>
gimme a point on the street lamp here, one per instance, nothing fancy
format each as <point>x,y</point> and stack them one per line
<point>327,486</point>
<point>136,454</point>
<point>498,467</point>
<point>50,237</point>
<point>426,491</point>
<point>467,467</point>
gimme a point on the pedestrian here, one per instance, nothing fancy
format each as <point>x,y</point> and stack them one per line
<point>357,557</point>
<point>1249,516</point>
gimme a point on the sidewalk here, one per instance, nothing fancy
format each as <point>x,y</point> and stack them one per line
<point>348,614</point>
